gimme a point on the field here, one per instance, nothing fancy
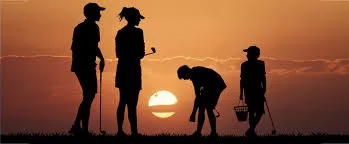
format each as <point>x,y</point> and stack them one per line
<point>172,139</point>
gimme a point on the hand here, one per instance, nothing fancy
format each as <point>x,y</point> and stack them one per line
<point>101,65</point>
<point>192,118</point>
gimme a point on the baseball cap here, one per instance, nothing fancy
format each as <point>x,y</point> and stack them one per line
<point>135,12</point>
<point>252,49</point>
<point>93,7</point>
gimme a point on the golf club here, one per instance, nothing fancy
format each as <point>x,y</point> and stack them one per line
<point>100,106</point>
<point>153,51</point>
<point>273,132</point>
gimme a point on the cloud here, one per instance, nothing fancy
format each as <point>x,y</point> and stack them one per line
<point>228,65</point>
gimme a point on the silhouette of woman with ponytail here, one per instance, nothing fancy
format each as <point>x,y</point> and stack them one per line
<point>129,48</point>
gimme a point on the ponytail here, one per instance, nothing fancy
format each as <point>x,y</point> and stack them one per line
<point>130,12</point>
<point>123,13</point>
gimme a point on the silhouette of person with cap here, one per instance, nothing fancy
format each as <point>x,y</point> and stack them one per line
<point>253,86</point>
<point>84,51</point>
<point>208,85</point>
<point>129,48</point>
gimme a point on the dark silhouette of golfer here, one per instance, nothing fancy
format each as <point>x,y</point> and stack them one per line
<point>208,85</point>
<point>84,51</point>
<point>129,48</point>
<point>253,85</point>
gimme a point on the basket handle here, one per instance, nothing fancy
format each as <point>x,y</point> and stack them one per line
<point>240,102</point>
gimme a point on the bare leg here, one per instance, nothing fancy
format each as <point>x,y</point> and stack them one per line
<point>88,99</point>
<point>132,111</point>
<point>88,83</point>
<point>257,119</point>
<point>251,119</point>
<point>79,115</point>
<point>121,110</point>
<point>212,120</point>
<point>252,122</point>
<point>201,119</point>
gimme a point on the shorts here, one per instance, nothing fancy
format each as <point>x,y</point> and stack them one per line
<point>210,97</point>
<point>129,96</point>
<point>255,106</point>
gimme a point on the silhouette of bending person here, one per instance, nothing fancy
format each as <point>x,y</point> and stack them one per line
<point>208,85</point>
<point>253,85</point>
<point>84,51</point>
<point>129,48</point>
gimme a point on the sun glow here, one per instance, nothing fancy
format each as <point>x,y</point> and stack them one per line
<point>162,98</point>
<point>163,114</point>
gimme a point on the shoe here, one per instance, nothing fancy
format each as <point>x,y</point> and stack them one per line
<point>136,134</point>
<point>121,133</point>
<point>250,133</point>
<point>86,133</point>
<point>213,134</point>
<point>75,130</point>
<point>196,134</point>
<point>254,134</point>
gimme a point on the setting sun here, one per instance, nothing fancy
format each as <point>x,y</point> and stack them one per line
<point>160,99</point>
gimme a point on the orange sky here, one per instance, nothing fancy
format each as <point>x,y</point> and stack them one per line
<point>304,43</point>
<point>288,29</point>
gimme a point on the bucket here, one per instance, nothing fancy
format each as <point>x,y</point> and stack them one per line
<point>241,112</point>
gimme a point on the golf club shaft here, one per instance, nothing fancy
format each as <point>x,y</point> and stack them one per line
<point>269,114</point>
<point>148,54</point>
<point>153,51</point>
<point>100,103</point>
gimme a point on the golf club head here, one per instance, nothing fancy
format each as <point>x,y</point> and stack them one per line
<point>273,132</point>
<point>153,50</point>
<point>103,132</point>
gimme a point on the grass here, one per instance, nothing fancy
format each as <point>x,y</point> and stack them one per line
<point>171,139</point>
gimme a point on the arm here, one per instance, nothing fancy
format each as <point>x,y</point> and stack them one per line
<point>241,89</point>
<point>195,109</point>
<point>76,39</point>
<point>196,102</point>
<point>241,83</point>
<point>197,98</point>
<point>141,51</point>
<point>196,106</point>
<point>264,80</point>
<point>99,54</point>
<point>117,44</point>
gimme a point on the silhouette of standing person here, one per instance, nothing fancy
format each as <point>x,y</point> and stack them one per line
<point>208,85</point>
<point>253,85</point>
<point>84,51</point>
<point>129,48</point>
